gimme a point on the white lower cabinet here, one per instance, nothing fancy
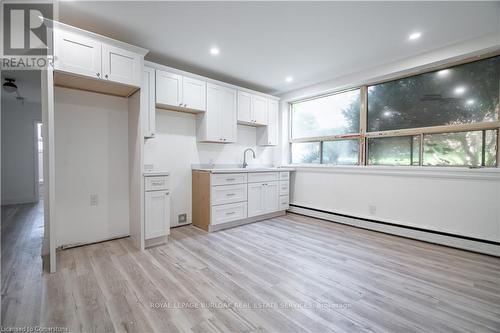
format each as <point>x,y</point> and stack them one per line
<point>263,198</point>
<point>255,199</point>
<point>157,211</point>
<point>229,213</point>
<point>156,207</point>
<point>238,198</point>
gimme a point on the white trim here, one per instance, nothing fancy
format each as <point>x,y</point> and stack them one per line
<point>405,171</point>
<point>133,48</point>
<point>36,181</point>
<point>430,237</point>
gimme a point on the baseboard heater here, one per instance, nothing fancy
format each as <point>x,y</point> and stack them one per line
<point>431,236</point>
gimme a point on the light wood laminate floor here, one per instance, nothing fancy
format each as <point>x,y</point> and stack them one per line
<point>288,274</point>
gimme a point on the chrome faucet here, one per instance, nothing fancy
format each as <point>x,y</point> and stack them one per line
<point>245,164</point>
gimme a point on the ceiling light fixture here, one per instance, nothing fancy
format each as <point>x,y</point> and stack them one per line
<point>9,85</point>
<point>459,90</point>
<point>415,35</point>
<point>214,51</point>
<point>289,79</point>
<point>470,101</point>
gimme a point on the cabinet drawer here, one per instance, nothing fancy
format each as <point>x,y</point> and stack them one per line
<point>156,183</point>
<point>228,213</point>
<point>284,188</point>
<point>284,202</point>
<point>285,175</point>
<point>224,194</point>
<point>258,177</point>
<point>229,178</point>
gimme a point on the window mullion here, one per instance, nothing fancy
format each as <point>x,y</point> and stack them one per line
<point>321,152</point>
<point>363,121</point>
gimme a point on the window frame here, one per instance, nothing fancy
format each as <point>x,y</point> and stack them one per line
<point>363,135</point>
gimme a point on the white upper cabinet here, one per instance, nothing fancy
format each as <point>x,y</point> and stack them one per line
<point>268,135</point>
<point>120,65</point>
<point>209,123</point>
<point>259,110</point>
<point>77,53</point>
<point>148,108</point>
<point>252,109</point>
<point>218,123</point>
<point>168,88</point>
<point>244,107</point>
<point>180,92</point>
<point>90,55</point>
<point>228,114</point>
<point>194,94</point>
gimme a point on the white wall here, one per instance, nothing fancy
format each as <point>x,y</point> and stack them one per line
<point>18,151</point>
<point>435,200</point>
<point>174,149</point>
<point>91,141</point>
<point>462,203</point>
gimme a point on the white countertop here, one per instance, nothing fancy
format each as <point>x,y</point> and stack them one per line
<point>239,170</point>
<point>155,173</point>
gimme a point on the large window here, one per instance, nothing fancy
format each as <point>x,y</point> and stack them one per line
<point>447,117</point>
<point>325,116</point>
<point>398,150</point>
<point>459,95</point>
<point>328,125</point>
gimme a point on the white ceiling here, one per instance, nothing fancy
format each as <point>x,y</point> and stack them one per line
<point>263,42</point>
<point>28,85</point>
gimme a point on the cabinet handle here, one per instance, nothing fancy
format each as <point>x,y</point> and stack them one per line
<point>230,194</point>
<point>106,76</point>
<point>157,183</point>
<point>167,193</point>
<point>230,213</point>
<point>185,105</point>
<point>180,104</point>
<point>98,74</point>
<point>230,179</point>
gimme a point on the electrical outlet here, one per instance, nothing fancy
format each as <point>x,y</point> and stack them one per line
<point>372,209</point>
<point>94,199</point>
<point>182,218</point>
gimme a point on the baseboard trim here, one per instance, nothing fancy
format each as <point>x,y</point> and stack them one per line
<point>435,237</point>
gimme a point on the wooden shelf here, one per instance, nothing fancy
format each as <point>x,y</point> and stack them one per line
<point>62,79</point>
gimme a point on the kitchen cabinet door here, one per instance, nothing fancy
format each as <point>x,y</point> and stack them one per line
<point>157,214</point>
<point>194,94</point>
<point>121,66</point>
<point>268,135</point>
<point>168,88</point>
<point>256,199</point>
<point>212,123</point>
<point>148,107</point>
<point>271,197</point>
<point>244,107</point>
<point>228,122</point>
<point>259,110</point>
<point>78,54</point>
